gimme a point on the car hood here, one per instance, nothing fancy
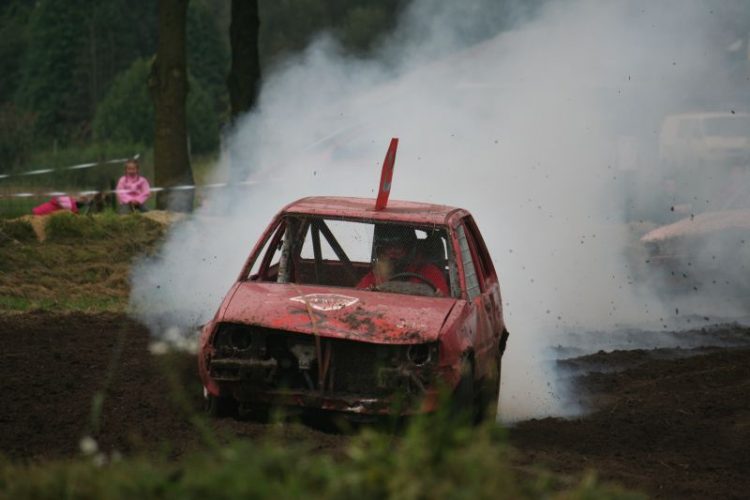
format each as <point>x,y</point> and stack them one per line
<point>377,317</point>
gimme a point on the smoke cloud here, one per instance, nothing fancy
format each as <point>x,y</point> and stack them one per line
<point>535,121</point>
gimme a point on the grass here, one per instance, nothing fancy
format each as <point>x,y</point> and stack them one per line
<point>88,304</point>
<point>432,458</point>
<point>83,265</point>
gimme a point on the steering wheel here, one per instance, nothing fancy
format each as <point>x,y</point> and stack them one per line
<point>401,276</point>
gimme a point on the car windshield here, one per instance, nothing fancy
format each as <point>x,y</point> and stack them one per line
<point>364,254</point>
<point>738,126</point>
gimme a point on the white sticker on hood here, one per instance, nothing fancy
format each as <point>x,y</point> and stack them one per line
<point>326,301</point>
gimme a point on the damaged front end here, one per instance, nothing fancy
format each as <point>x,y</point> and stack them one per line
<point>264,366</point>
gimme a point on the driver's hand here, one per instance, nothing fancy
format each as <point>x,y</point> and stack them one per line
<point>383,270</point>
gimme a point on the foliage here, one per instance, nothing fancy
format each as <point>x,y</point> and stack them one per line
<point>74,50</point>
<point>126,113</point>
<point>13,21</point>
<point>432,459</point>
<point>49,86</point>
<point>208,53</point>
<point>288,26</point>
<point>16,136</point>
<point>203,122</point>
<point>16,231</point>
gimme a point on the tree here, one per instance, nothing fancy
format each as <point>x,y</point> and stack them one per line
<point>207,55</point>
<point>13,41</point>
<point>126,114</point>
<point>49,87</point>
<point>168,84</point>
<point>72,50</point>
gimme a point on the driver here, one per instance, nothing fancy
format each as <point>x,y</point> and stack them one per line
<point>395,253</point>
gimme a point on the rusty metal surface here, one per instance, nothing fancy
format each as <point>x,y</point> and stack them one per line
<point>397,210</point>
<point>349,313</point>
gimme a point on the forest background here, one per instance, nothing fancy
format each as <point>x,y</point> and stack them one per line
<point>73,73</point>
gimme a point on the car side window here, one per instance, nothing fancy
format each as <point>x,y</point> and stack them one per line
<point>267,260</point>
<point>480,250</point>
<point>470,271</point>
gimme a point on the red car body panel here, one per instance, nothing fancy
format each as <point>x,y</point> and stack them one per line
<point>382,318</point>
<point>332,325</point>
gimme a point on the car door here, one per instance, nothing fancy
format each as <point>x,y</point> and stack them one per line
<point>479,297</point>
<point>491,298</point>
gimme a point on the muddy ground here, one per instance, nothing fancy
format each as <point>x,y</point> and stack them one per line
<point>674,423</point>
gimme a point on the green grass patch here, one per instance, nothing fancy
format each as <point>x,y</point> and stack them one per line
<point>66,226</point>
<point>16,231</point>
<point>83,265</point>
<point>16,207</point>
<point>432,458</point>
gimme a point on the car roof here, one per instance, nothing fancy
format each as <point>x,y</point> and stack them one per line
<point>364,208</point>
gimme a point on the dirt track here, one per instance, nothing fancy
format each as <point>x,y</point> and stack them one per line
<point>673,423</point>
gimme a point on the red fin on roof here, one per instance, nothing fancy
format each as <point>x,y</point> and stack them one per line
<point>384,189</point>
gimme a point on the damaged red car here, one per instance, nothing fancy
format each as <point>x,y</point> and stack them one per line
<point>345,307</point>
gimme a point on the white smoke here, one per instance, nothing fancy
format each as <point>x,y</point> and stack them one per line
<point>519,126</point>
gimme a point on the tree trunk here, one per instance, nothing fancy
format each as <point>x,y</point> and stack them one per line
<point>169,87</point>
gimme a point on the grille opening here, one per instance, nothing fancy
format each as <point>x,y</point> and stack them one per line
<point>269,359</point>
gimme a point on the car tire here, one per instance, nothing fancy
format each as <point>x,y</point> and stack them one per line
<point>488,396</point>
<point>220,407</point>
<point>464,400</point>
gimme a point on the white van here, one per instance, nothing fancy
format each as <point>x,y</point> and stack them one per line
<point>696,139</point>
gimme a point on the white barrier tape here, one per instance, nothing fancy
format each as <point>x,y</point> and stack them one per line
<point>80,166</point>
<point>114,191</point>
<point>186,187</point>
<point>37,172</point>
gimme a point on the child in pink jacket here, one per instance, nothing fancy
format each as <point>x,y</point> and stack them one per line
<point>57,203</point>
<point>132,190</point>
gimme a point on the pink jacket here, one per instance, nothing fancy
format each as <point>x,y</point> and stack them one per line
<point>133,189</point>
<point>55,204</point>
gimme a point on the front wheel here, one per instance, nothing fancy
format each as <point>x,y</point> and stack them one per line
<point>490,393</point>
<point>220,407</point>
<point>463,404</point>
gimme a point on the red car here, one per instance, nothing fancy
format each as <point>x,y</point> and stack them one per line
<point>345,307</point>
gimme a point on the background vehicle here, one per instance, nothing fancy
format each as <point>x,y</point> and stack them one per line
<point>716,138</point>
<point>294,330</point>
